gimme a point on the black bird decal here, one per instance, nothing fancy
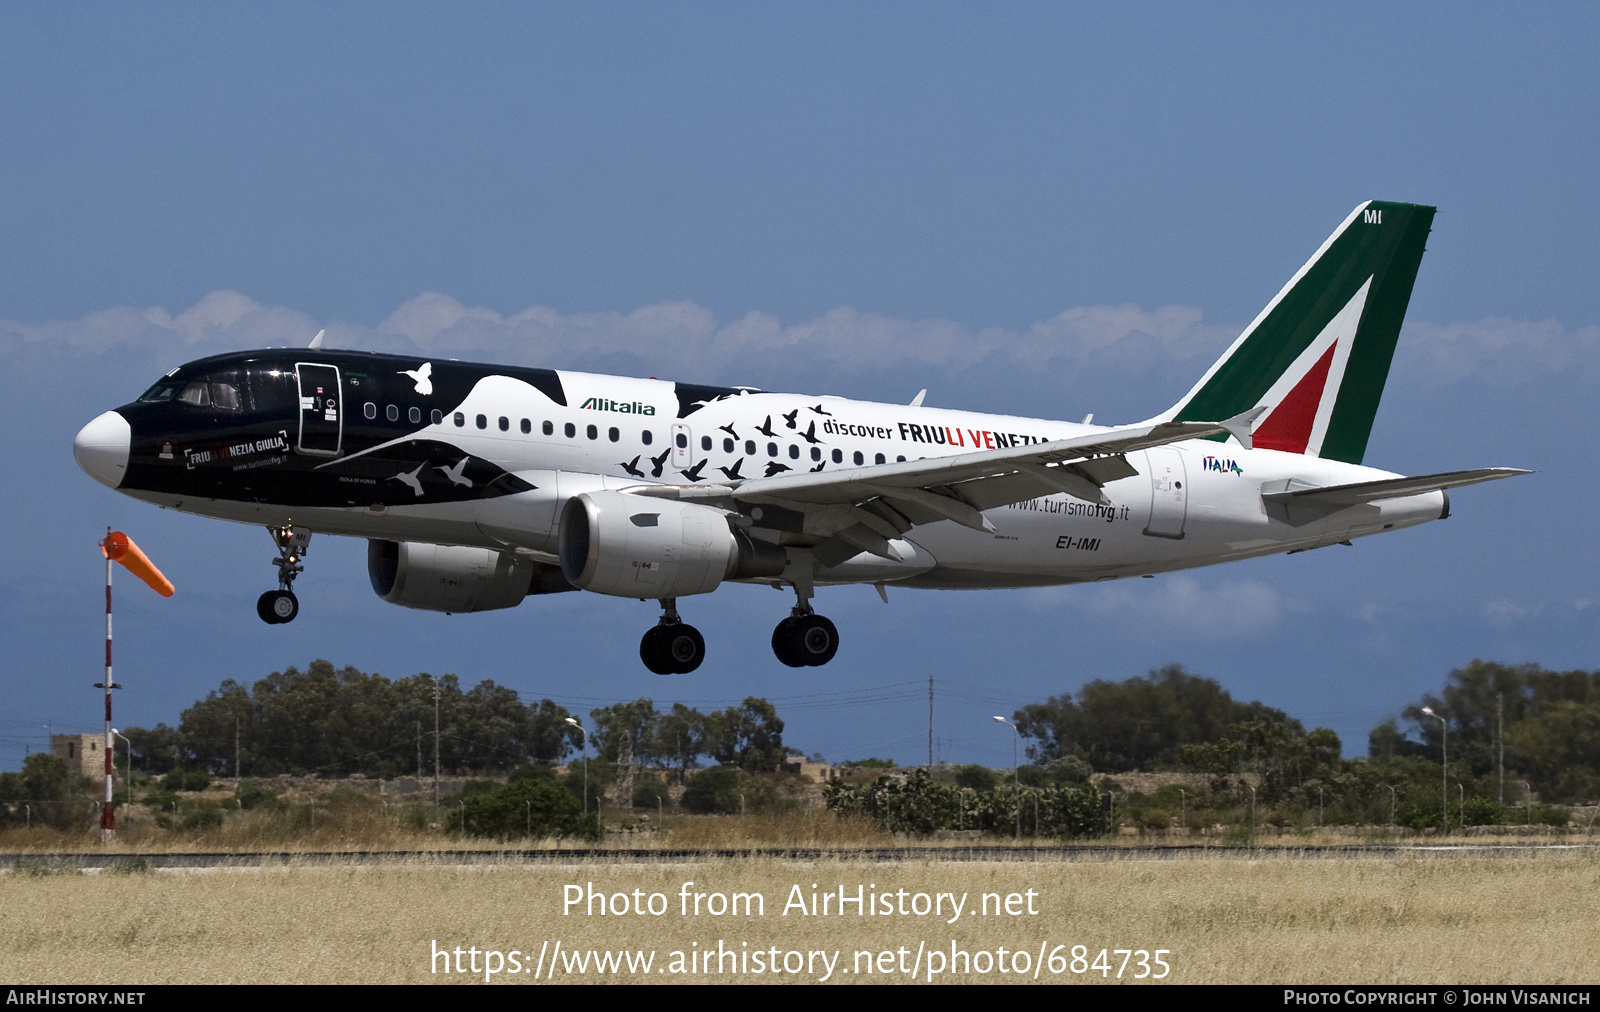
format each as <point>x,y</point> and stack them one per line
<point>790,418</point>
<point>773,467</point>
<point>733,472</point>
<point>660,462</point>
<point>819,467</point>
<point>818,410</point>
<point>729,430</point>
<point>632,467</point>
<point>693,473</point>
<point>765,428</point>
<point>810,435</point>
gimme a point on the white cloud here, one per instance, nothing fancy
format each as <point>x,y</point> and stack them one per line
<point>1499,349</point>
<point>1213,611</point>
<point>1504,612</point>
<point>686,340</point>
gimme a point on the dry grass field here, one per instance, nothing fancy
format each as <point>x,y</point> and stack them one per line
<point>1417,917</point>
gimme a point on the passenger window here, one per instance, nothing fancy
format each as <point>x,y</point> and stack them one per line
<point>548,429</point>
<point>570,429</point>
<point>794,452</point>
<point>415,415</point>
<point>838,456</point>
<point>878,459</point>
<point>392,412</point>
<point>772,449</point>
<point>647,437</point>
<point>816,453</point>
<point>859,459</point>
<point>527,426</point>
<point>613,434</point>
<point>705,442</point>
<point>460,419</point>
<point>592,432</point>
<point>683,441</point>
<point>750,447</point>
<point>369,409</point>
<point>899,460</point>
<point>438,417</point>
<point>505,424</point>
<point>483,422</point>
<point>727,446</point>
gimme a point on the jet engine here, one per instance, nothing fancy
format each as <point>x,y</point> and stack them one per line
<point>637,546</point>
<point>451,578</point>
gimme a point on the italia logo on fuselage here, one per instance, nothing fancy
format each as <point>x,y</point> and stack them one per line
<point>1223,464</point>
<point>625,407</point>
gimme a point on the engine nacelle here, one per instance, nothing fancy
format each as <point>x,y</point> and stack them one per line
<point>638,546</point>
<point>451,578</point>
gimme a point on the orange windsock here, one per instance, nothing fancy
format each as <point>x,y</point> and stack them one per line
<point>118,547</point>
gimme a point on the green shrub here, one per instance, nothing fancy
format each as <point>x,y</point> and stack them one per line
<point>525,808</point>
<point>186,780</point>
<point>255,794</point>
<point>978,778</point>
<point>1482,812</point>
<point>649,792</point>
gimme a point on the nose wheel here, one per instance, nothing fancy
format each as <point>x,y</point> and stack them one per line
<point>279,606</point>
<point>672,647</point>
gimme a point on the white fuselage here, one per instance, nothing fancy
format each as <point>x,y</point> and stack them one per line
<point>1193,503</point>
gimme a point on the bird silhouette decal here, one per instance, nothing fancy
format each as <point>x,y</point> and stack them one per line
<point>412,478</point>
<point>693,473</point>
<point>819,467</point>
<point>818,410</point>
<point>789,418</point>
<point>765,428</point>
<point>632,467</point>
<point>773,467</point>
<point>422,375</point>
<point>659,462</point>
<point>810,435</point>
<point>732,473</point>
<point>454,473</point>
<point>729,430</point>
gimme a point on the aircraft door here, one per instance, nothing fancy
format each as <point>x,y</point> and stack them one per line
<point>321,422</point>
<point>1169,493</point>
<point>682,446</point>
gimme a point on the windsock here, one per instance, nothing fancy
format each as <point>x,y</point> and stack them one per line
<point>118,547</point>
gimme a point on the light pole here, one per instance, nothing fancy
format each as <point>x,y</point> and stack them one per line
<point>583,750</point>
<point>129,745</point>
<point>1391,806</point>
<point>1016,783</point>
<point>1444,769</point>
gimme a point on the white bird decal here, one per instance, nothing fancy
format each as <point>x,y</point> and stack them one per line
<point>412,478</point>
<point>454,473</point>
<point>423,375</point>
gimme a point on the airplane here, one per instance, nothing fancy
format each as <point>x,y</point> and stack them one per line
<point>477,486</point>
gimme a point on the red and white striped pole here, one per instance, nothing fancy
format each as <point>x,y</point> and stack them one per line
<point>118,547</point>
<point>108,816</point>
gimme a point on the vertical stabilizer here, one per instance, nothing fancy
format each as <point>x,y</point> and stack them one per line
<point>1318,356</point>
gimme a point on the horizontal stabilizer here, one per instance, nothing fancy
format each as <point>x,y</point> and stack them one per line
<point>1338,496</point>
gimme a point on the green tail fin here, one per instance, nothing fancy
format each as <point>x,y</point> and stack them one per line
<point>1318,356</point>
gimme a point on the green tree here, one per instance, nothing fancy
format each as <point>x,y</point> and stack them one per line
<point>749,736</point>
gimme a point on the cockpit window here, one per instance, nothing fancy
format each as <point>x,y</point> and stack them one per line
<point>162,391</point>
<point>210,394</point>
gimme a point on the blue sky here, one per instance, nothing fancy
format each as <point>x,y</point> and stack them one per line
<point>1025,208</point>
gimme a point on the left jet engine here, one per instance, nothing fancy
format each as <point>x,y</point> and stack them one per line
<point>638,546</point>
<point>452,578</point>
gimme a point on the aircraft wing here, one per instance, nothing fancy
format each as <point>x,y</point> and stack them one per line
<point>865,508</point>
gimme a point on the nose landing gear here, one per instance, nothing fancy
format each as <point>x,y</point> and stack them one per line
<point>672,647</point>
<point>279,606</point>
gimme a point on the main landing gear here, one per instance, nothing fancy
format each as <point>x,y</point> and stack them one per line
<point>279,606</point>
<point>805,639</point>
<point>672,647</point>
